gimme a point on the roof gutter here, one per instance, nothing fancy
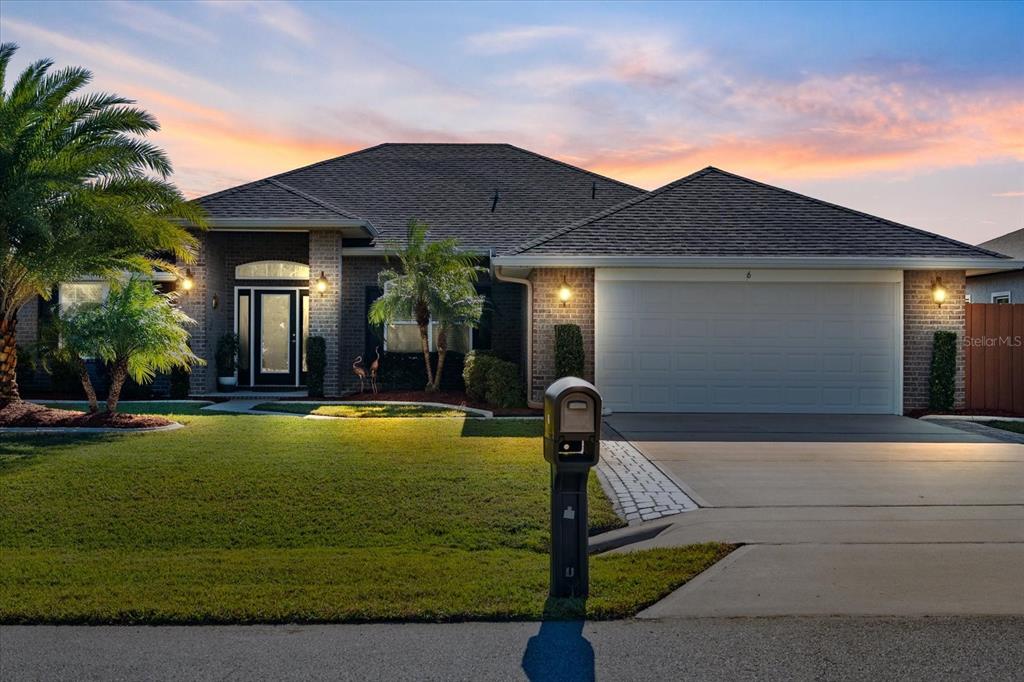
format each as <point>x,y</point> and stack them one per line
<point>529,328</point>
<point>766,262</point>
<point>356,227</point>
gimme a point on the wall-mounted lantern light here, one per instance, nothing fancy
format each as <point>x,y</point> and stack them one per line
<point>321,283</point>
<point>187,282</point>
<point>564,292</point>
<point>938,292</point>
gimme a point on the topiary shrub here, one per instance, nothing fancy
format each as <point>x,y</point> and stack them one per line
<point>179,383</point>
<point>316,363</point>
<point>404,371</point>
<point>474,374</point>
<point>942,379</point>
<point>568,351</point>
<point>504,388</point>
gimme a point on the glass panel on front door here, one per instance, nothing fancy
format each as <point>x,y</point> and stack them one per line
<point>276,333</point>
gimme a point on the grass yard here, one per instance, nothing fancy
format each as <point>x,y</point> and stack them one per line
<point>1016,427</point>
<point>367,410</point>
<point>246,518</point>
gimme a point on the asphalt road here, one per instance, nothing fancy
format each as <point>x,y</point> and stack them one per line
<point>988,648</point>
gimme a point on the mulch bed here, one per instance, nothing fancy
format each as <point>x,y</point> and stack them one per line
<point>25,414</point>
<point>917,414</point>
<point>456,398</point>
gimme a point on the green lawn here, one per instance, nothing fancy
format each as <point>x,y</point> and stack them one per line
<point>245,518</point>
<point>368,410</point>
<point>1016,427</point>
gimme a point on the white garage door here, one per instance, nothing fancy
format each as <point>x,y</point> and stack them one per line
<point>676,342</point>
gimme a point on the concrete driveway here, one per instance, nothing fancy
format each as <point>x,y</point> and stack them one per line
<point>841,514</point>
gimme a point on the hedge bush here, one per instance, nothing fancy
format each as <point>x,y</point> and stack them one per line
<point>504,388</point>
<point>316,362</point>
<point>474,374</point>
<point>179,383</point>
<point>568,351</point>
<point>405,371</point>
<point>942,379</point>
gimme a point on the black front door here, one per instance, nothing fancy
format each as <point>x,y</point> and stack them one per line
<point>275,332</point>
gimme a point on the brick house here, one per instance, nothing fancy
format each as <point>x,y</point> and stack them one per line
<point>714,293</point>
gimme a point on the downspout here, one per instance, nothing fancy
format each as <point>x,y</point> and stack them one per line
<point>529,329</point>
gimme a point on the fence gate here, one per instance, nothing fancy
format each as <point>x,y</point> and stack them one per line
<point>994,355</point>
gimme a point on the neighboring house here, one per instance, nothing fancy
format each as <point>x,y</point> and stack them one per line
<point>1000,287</point>
<point>712,294</point>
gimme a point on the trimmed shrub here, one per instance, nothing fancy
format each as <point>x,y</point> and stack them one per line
<point>942,379</point>
<point>227,353</point>
<point>405,371</point>
<point>474,374</point>
<point>504,388</point>
<point>179,383</point>
<point>568,351</point>
<point>316,362</point>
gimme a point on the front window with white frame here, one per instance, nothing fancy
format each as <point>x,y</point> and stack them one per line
<point>1001,297</point>
<point>71,294</point>
<point>403,336</point>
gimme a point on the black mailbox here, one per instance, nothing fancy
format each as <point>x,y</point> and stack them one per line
<point>572,444</point>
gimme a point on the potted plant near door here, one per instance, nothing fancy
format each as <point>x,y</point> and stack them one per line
<point>227,356</point>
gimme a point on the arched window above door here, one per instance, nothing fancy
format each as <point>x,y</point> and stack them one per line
<point>272,269</point>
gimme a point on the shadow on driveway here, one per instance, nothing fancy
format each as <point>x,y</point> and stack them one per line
<point>785,428</point>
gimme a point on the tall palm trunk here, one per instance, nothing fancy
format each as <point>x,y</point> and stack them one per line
<point>118,373</point>
<point>423,321</point>
<point>9,361</point>
<point>442,351</point>
<point>90,392</point>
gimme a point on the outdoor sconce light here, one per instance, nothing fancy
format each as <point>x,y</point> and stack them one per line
<point>938,292</point>
<point>321,283</point>
<point>564,292</point>
<point>187,282</point>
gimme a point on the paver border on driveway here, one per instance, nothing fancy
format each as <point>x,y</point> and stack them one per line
<point>639,490</point>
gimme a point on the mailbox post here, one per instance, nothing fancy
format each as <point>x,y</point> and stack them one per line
<point>572,441</point>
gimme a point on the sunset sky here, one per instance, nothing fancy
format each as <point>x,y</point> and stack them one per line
<point>913,112</point>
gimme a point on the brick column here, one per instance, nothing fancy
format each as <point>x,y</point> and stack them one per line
<point>922,317</point>
<point>206,276</point>
<point>325,309</point>
<point>548,311</point>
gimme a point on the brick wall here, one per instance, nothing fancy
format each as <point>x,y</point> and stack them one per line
<point>360,272</point>
<point>27,331</point>
<point>245,247</point>
<point>207,275</point>
<point>548,311</point>
<point>922,317</point>
<point>325,309</point>
<point>508,325</point>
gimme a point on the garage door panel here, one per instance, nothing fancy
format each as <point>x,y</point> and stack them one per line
<point>739,347</point>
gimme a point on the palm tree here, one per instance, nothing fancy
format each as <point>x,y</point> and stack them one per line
<point>80,193</point>
<point>138,331</point>
<point>434,279</point>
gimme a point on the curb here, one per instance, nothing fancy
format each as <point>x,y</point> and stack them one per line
<point>42,430</point>
<point>969,418</point>
<point>629,535</point>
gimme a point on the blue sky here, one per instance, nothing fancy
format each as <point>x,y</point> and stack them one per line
<point>912,111</point>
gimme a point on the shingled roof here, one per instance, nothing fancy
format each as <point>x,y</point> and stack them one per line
<point>450,186</point>
<point>712,213</point>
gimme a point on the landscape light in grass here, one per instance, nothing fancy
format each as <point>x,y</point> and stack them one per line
<point>321,283</point>
<point>938,292</point>
<point>564,292</point>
